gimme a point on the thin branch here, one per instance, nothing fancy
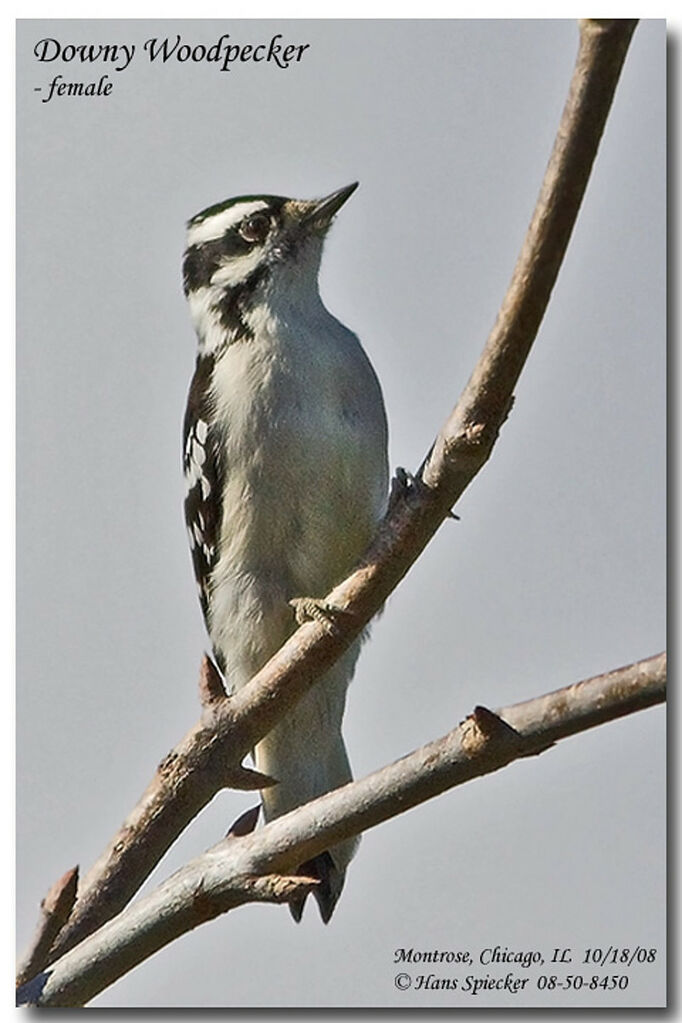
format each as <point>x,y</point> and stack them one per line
<point>257,866</point>
<point>210,755</point>
<point>471,430</point>
<point>54,912</point>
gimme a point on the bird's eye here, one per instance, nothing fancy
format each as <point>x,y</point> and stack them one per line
<point>255,228</point>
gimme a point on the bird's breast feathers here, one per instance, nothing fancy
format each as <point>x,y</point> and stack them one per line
<point>296,465</point>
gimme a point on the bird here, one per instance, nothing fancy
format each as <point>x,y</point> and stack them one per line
<point>286,472</point>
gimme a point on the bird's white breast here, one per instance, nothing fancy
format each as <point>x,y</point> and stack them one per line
<point>305,474</point>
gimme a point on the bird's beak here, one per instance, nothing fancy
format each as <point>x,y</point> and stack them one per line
<point>318,213</point>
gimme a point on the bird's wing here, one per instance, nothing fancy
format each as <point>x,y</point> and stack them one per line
<point>203,480</point>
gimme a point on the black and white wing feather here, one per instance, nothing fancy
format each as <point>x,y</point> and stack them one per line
<point>203,480</point>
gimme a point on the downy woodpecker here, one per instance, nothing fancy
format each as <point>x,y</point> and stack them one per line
<point>286,469</point>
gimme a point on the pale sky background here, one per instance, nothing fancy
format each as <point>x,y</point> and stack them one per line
<point>554,573</point>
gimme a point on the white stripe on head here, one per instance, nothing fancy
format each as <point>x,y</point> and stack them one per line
<point>206,320</point>
<point>234,271</point>
<point>215,226</point>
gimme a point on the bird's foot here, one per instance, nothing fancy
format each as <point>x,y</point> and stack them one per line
<point>311,609</point>
<point>404,485</point>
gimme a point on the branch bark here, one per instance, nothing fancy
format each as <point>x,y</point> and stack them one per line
<point>54,912</point>
<point>209,757</point>
<point>253,867</point>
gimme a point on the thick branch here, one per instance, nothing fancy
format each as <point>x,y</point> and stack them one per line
<point>209,756</point>
<point>248,868</point>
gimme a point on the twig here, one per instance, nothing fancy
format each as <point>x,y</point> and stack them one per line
<point>210,755</point>
<point>54,912</point>
<point>256,867</point>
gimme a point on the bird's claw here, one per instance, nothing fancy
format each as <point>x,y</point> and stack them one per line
<point>311,609</point>
<point>403,485</point>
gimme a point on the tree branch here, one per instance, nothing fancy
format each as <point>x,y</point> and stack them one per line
<point>466,440</point>
<point>209,757</point>
<point>54,912</point>
<point>250,868</point>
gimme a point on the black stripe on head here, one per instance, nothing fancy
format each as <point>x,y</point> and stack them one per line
<point>235,303</point>
<point>274,204</point>
<point>202,261</point>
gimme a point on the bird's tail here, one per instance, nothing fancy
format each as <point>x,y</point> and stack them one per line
<point>305,752</point>
<point>328,891</point>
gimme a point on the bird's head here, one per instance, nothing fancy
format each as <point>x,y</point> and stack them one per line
<point>245,246</point>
